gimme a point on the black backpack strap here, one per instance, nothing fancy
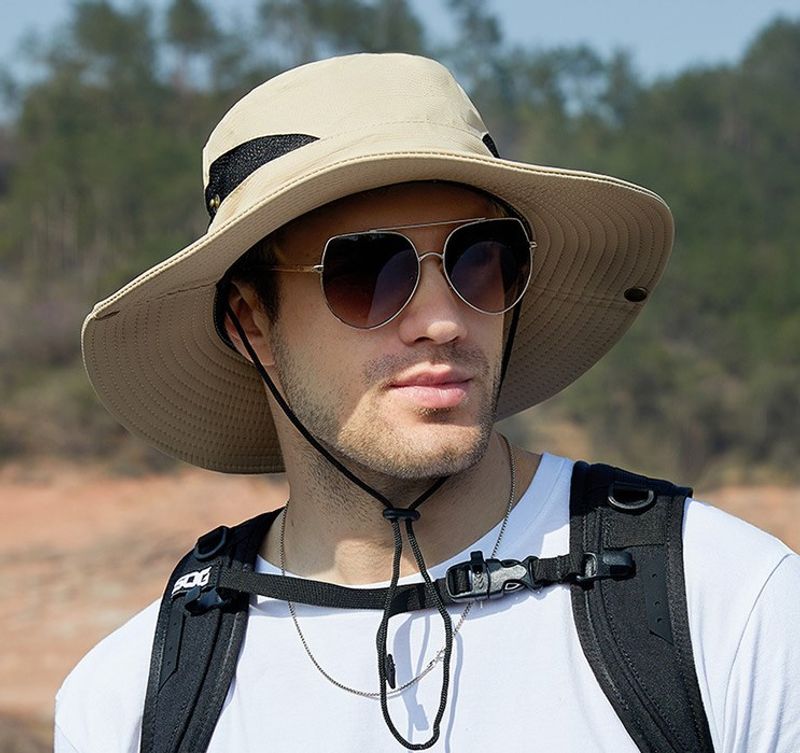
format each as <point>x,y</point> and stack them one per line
<point>198,635</point>
<point>635,631</point>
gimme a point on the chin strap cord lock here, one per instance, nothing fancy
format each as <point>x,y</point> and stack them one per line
<point>616,564</point>
<point>400,513</point>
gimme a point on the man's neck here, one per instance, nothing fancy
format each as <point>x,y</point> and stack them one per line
<point>336,532</point>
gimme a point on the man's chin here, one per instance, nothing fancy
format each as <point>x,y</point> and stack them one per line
<point>430,452</point>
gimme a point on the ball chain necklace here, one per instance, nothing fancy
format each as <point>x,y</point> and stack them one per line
<point>437,658</point>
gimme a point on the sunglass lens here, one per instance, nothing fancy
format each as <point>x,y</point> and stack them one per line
<point>488,263</point>
<point>368,277</point>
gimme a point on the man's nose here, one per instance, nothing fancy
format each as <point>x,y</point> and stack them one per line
<point>435,312</point>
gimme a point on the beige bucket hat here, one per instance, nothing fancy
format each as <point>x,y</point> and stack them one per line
<point>315,134</point>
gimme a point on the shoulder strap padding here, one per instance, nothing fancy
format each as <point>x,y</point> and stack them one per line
<point>194,654</point>
<point>635,632</point>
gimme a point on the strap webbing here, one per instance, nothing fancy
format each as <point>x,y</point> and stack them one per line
<point>409,597</point>
<point>635,633</point>
<point>644,666</point>
<point>194,655</point>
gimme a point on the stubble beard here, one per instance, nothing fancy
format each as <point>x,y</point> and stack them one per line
<point>374,443</point>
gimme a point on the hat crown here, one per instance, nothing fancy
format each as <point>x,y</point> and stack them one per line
<point>347,94</point>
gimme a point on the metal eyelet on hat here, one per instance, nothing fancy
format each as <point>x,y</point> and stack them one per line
<point>213,203</point>
<point>636,294</point>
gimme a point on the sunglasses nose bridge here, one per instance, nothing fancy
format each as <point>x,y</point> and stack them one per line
<point>436,255</point>
<point>440,256</point>
<point>421,257</point>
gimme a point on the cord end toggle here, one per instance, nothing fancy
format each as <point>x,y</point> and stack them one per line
<point>391,671</point>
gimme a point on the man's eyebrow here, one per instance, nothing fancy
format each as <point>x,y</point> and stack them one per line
<point>424,224</point>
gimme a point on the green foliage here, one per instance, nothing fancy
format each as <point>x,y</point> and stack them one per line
<point>190,27</point>
<point>100,178</point>
<point>310,29</point>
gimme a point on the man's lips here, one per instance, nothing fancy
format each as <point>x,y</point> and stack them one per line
<point>433,388</point>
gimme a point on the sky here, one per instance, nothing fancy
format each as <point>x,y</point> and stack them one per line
<point>663,36</point>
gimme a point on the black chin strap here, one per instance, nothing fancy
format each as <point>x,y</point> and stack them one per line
<point>386,672</point>
<point>393,515</point>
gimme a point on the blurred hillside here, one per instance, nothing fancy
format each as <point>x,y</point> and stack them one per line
<point>100,178</point>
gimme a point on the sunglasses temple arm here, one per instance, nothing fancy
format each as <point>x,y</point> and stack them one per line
<point>512,331</point>
<point>308,268</point>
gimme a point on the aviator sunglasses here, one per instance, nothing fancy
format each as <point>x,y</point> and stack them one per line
<point>369,277</point>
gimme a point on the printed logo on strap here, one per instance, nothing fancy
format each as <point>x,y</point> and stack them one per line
<point>190,580</point>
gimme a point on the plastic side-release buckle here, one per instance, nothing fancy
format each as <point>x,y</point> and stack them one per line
<point>199,601</point>
<point>614,563</point>
<point>486,579</point>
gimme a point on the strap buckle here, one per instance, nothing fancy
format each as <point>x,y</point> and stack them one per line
<point>487,579</point>
<point>201,591</point>
<point>616,564</point>
<point>199,600</point>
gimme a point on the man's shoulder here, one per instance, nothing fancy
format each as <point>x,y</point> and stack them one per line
<point>728,548</point>
<point>101,700</point>
<point>743,594</point>
<point>731,567</point>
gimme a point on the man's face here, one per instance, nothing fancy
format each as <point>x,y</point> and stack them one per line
<point>416,397</point>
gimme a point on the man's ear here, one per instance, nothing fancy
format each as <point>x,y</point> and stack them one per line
<point>245,304</point>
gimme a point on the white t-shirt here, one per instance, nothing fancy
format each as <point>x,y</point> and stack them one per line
<point>519,681</point>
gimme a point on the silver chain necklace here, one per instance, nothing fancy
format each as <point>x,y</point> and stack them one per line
<point>437,658</point>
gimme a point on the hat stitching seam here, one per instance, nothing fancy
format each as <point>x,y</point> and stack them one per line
<point>350,133</point>
<point>460,157</point>
<point>556,382</point>
<point>553,314</point>
<point>493,161</point>
<point>570,223</point>
<point>149,386</point>
<point>646,224</point>
<point>577,224</point>
<point>573,297</point>
<point>346,132</point>
<point>623,231</point>
<point>226,373</point>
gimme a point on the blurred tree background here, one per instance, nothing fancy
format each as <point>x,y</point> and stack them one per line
<point>100,178</point>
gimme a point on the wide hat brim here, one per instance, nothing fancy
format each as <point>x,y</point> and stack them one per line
<point>158,364</point>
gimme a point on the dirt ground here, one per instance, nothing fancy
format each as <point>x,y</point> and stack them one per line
<point>81,552</point>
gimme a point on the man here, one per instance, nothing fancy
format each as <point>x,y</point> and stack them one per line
<point>403,288</point>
